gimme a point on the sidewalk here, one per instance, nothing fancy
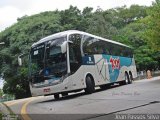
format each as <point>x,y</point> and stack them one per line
<point>143,75</point>
<point>151,79</point>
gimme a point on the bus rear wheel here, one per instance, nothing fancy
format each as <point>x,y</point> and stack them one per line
<point>130,78</point>
<point>126,81</point>
<point>90,87</point>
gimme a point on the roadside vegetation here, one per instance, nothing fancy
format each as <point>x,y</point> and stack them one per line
<point>137,26</point>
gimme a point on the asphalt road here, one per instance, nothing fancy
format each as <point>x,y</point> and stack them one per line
<point>118,102</point>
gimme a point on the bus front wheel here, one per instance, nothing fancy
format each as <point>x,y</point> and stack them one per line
<point>56,96</point>
<point>90,87</point>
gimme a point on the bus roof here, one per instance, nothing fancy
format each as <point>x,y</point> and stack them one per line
<point>68,32</point>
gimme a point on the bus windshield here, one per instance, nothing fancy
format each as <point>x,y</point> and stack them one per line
<point>47,62</point>
<point>37,58</point>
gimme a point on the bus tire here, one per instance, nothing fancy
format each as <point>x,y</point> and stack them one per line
<point>130,78</point>
<point>127,80</point>
<point>90,87</point>
<point>56,96</point>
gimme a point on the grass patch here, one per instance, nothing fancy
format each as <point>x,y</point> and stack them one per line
<point>0,115</point>
<point>11,113</point>
<point>9,109</point>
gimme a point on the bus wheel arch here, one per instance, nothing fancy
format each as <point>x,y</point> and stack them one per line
<point>90,84</point>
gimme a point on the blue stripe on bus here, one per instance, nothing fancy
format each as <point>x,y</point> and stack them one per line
<point>114,68</point>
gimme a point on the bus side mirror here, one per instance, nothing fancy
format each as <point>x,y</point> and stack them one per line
<point>19,61</point>
<point>64,46</point>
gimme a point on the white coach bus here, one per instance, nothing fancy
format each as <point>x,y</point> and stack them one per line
<point>72,60</point>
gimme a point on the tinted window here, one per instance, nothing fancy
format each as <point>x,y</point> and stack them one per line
<point>93,45</point>
<point>90,45</point>
<point>56,61</point>
<point>75,52</point>
<point>37,58</point>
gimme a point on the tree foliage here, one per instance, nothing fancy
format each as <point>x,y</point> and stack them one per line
<point>153,36</point>
<point>1,93</point>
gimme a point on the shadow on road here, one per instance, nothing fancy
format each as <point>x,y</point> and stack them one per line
<point>76,95</point>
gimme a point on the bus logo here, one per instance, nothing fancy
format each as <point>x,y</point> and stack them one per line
<point>115,63</point>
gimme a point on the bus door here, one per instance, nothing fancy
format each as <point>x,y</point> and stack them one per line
<point>75,59</point>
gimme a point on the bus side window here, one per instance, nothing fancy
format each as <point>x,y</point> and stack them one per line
<point>72,54</point>
<point>121,51</point>
<point>90,45</point>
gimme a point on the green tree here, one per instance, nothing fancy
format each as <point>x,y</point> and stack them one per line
<point>134,35</point>
<point>99,25</point>
<point>152,34</point>
<point>18,39</point>
<point>1,92</point>
<point>70,18</point>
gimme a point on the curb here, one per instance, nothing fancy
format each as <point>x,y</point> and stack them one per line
<point>151,79</point>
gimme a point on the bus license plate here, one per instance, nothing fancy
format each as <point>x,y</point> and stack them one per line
<point>47,90</point>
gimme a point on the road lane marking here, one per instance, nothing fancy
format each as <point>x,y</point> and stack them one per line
<point>24,114</point>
